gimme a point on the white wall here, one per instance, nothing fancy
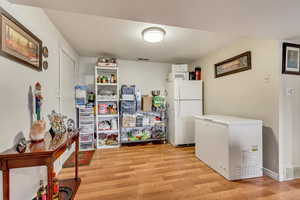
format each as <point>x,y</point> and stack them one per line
<point>15,81</point>
<point>146,75</point>
<point>251,94</point>
<point>289,125</point>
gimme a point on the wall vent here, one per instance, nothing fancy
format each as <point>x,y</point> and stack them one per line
<point>143,59</point>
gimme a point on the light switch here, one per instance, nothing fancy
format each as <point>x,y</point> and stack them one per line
<point>267,78</point>
<point>290,91</point>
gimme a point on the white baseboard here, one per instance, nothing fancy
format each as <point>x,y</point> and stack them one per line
<point>271,174</point>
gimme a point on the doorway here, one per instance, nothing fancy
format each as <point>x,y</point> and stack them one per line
<point>67,85</point>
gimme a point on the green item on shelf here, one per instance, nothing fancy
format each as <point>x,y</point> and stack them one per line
<point>158,101</point>
<point>133,139</point>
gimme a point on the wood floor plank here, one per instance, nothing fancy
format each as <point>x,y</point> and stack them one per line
<point>162,172</point>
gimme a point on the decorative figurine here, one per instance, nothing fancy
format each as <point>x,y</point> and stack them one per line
<point>21,146</point>
<point>37,131</point>
<point>38,100</point>
<point>70,125</point>
<point>57,124</point>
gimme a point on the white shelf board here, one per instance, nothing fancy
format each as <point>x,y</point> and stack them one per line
<point>107,116</point>
<point>108,131</point>
<point>107,100</point>
<point>87,142</point>
<point>107,84</point>
<point>88,149</point>
<point>108,146</point>
<point>86,133</point>
<point>107,67</point>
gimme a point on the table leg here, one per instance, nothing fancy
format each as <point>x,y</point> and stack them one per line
<point>50,181</point>
<point>76,157</point>
<point>5,176</point>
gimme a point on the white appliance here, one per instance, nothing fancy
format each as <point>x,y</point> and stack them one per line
<point>180,68</point>
<point>185,99</point>
<point>178,75</point>
<point>231,146</point>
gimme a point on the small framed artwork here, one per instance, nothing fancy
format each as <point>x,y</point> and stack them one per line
<point>291,59</point>
<point>233,65</point>
<point>18,43</point>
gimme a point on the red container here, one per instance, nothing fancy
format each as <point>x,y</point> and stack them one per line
<point>197,73</point>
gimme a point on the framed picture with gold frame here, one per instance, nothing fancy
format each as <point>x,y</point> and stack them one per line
<point>18,43</point>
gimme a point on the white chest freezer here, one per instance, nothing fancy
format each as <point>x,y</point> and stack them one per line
<point>231,146</point>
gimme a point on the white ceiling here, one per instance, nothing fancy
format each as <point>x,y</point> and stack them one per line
<point>94,36</point>
<point>263,18</point>
<point>96,27</point>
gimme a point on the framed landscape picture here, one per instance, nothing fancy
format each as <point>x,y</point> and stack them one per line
<point>18,43</point>
<point>233,65</point>
<point>291,59</point>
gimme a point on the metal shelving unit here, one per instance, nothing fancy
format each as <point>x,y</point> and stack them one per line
<point>138,126</point>
<point>107,93</point>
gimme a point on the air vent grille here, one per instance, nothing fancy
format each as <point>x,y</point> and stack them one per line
<point>143,59</point>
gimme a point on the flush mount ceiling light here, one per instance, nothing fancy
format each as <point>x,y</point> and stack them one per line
<point>153,34</point>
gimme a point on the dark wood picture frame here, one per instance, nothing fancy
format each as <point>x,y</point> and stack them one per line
<point>236,58</point>
<point>285,47</point>
<point>39,65</point>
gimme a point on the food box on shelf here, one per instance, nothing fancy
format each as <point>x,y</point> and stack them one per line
<point>146,103</point>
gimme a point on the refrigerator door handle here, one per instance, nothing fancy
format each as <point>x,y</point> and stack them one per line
<point>179,108</point>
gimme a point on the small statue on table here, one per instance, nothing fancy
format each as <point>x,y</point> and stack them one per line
<point>58,128</point>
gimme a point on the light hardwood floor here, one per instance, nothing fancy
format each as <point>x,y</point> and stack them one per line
<point>162,172</point>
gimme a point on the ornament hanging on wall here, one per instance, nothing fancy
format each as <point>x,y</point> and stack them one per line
<point>45,52</point>
<point>45,65</point>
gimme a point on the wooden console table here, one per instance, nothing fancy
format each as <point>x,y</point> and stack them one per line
<point>39,154</point>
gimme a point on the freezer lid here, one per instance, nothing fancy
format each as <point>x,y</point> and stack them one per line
<point>228,119</point>
<point>188,90</point>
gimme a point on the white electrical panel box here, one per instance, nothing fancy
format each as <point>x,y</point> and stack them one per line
<point>231,146</point>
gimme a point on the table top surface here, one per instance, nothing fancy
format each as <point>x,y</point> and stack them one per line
<point>46,147</point>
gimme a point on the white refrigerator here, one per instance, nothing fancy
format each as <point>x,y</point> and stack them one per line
<point>185,99</point>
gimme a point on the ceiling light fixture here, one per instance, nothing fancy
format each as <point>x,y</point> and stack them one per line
<point>153,34</point>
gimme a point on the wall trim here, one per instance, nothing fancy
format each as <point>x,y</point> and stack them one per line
<point>271,174</point>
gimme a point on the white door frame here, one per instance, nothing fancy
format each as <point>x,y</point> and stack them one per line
<point>64,51</point>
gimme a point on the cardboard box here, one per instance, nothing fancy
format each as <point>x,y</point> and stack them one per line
<point>146,103</point>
